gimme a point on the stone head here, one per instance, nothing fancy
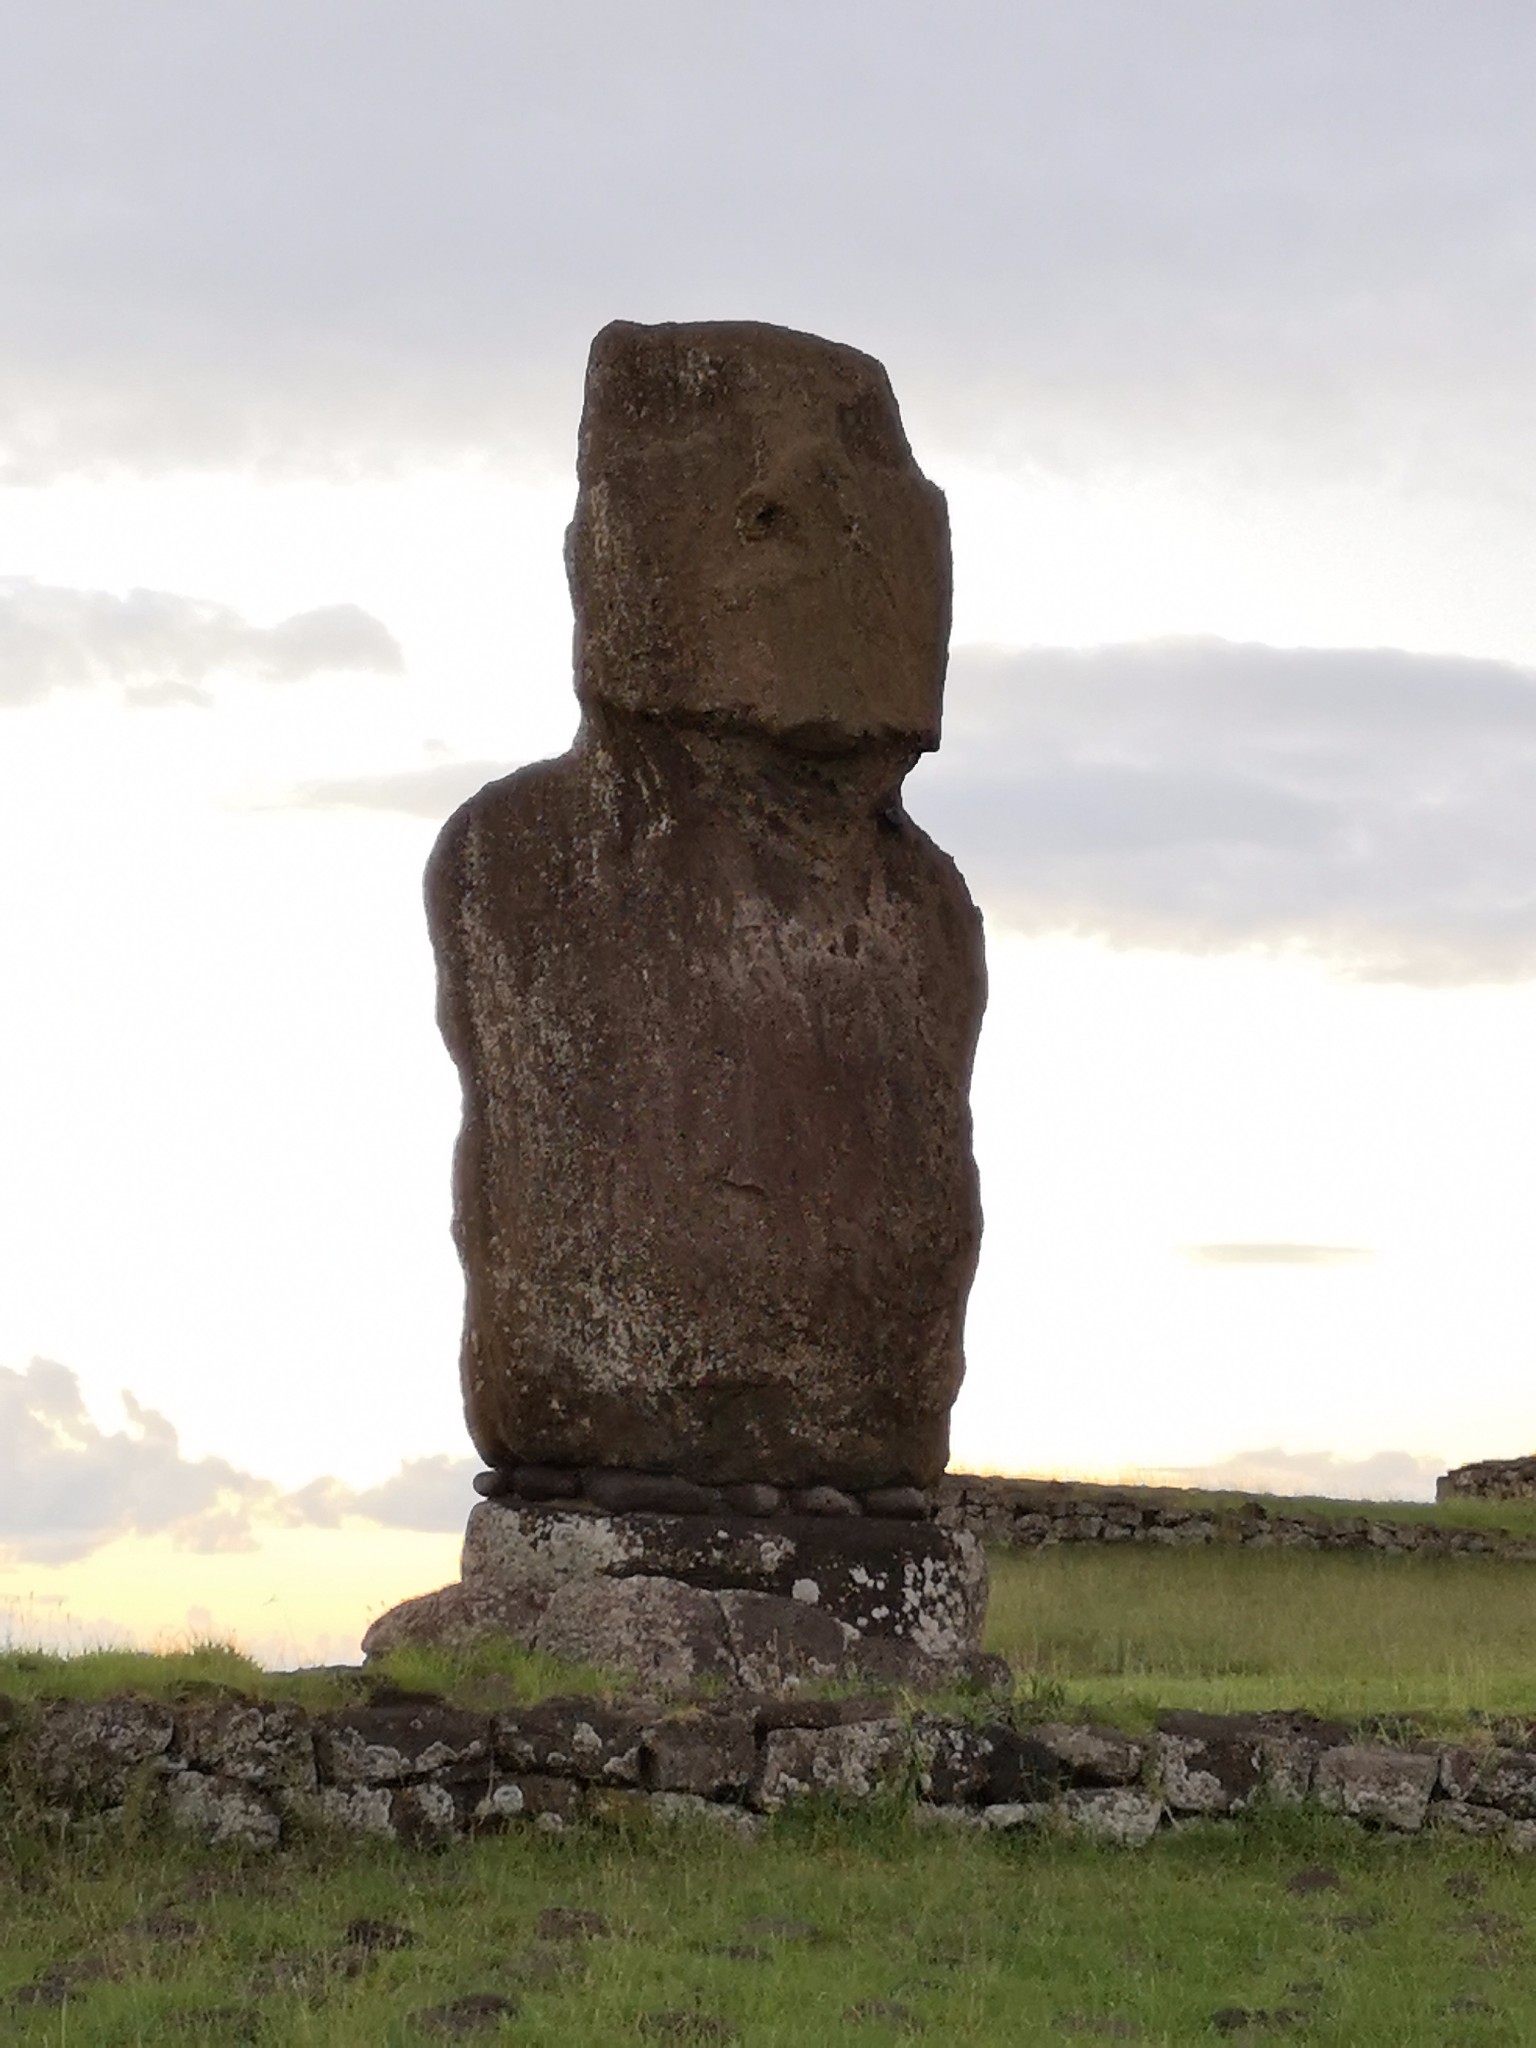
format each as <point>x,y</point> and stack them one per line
<point>754,545</point>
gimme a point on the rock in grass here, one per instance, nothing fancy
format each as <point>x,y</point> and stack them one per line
<point>1315,1877</point>
<point>164,1925</point>
<point>477,2012</point>
<point>686,2026</point>
<point>544,1963</point>
<point>61,1982</point>
<point>571,1923</point>
<point>379,1935</point>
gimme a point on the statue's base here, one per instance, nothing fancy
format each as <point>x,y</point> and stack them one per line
<point>764,1603</point>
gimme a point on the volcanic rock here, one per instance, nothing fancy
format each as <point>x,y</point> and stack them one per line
<point>712,995</point>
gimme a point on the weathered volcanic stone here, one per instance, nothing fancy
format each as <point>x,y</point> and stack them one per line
<point>712,996</point>
<point>909,1580</point>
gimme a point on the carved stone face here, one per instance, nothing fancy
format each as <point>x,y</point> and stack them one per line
<point>753,543</point>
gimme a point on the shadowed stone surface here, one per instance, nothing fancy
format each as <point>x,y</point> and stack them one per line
<point>712,996</point>
<point>413,1768</point>
<point>673,1599</point>
<point>909,1580</point>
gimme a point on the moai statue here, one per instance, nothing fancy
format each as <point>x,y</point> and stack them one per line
<point>713,997</point>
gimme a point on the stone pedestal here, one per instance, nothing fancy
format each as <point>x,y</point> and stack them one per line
<point>765,1603</point>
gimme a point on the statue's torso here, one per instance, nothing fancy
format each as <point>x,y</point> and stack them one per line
<point>714,1187</point>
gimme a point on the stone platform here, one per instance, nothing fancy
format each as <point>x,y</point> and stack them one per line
<point>762,1602</point>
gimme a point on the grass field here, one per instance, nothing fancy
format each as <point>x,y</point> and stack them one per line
<point>1122,1631</point>
<point>1114,1632</point>
<point>857,1929</point>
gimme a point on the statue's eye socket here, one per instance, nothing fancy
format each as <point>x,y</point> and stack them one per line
<point>757,518</point>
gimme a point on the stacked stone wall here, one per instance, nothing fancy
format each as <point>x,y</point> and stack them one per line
<point>1021,1514</point>
<point>253,1775</point>
<point>1490,1479</point>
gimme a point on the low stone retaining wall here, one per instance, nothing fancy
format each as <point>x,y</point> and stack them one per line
<point>1489,1479</point>
<point>1025,1513</point>
<point>405,1767</point>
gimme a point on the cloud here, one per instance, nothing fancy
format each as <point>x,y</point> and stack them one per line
<point>67,1486</point>
<point>159,648</point>
<point>426,1493</point>
<point>1373,807</point>
<point>430,792</point>
<point>350,235</point>
<point>1277,1254</point>
<point>1384,1475</point>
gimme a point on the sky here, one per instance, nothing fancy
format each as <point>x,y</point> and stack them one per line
<point>1214,321</point>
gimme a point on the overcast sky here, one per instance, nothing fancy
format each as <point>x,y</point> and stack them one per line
<point>1213,319</point>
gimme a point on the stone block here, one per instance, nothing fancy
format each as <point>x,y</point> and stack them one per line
<point>1462,1818</point>
<point>853,1762</point>
<point>955,1760</point>
<point>668,1635</point>
<point>222,1812</point>
<point>1121,1815</point>
<point>1507,1779</point>
<point>91,1752</point>
<point>778,1644</point>
<point>1209,1773</point>
<point>625,1492</point>
<point>753,1499</point>
<point>1011,1815</point>
<point>1460,1770</point>
<point>550,1798</point>
<point>1093,1756</point>
<point>392,1744</point>
<point>690,1810</point>
<point>897,1503</point>
<point>1022,1767</point>
<point>1389,1786</point>
<point>886,1578</point>
<point>269,1744</point>
<point>444,1619</point>
<point>424,1815</point>
<point>576,1737</point>
<point>348,1809</point>
<point>710,1754</point>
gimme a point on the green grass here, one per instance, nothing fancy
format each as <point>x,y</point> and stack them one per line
<point>1124,1630</point>
<point>1116,1631</point>
<point>487,1677</point>
<point>981,1939</point>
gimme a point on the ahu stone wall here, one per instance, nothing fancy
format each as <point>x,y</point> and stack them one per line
<point>409,1768</point>
<point>1013,1514</point>
<point>1489,1479</point>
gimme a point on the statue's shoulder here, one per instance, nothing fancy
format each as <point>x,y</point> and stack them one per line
<point>513,803</point>
<point>509,816</point>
